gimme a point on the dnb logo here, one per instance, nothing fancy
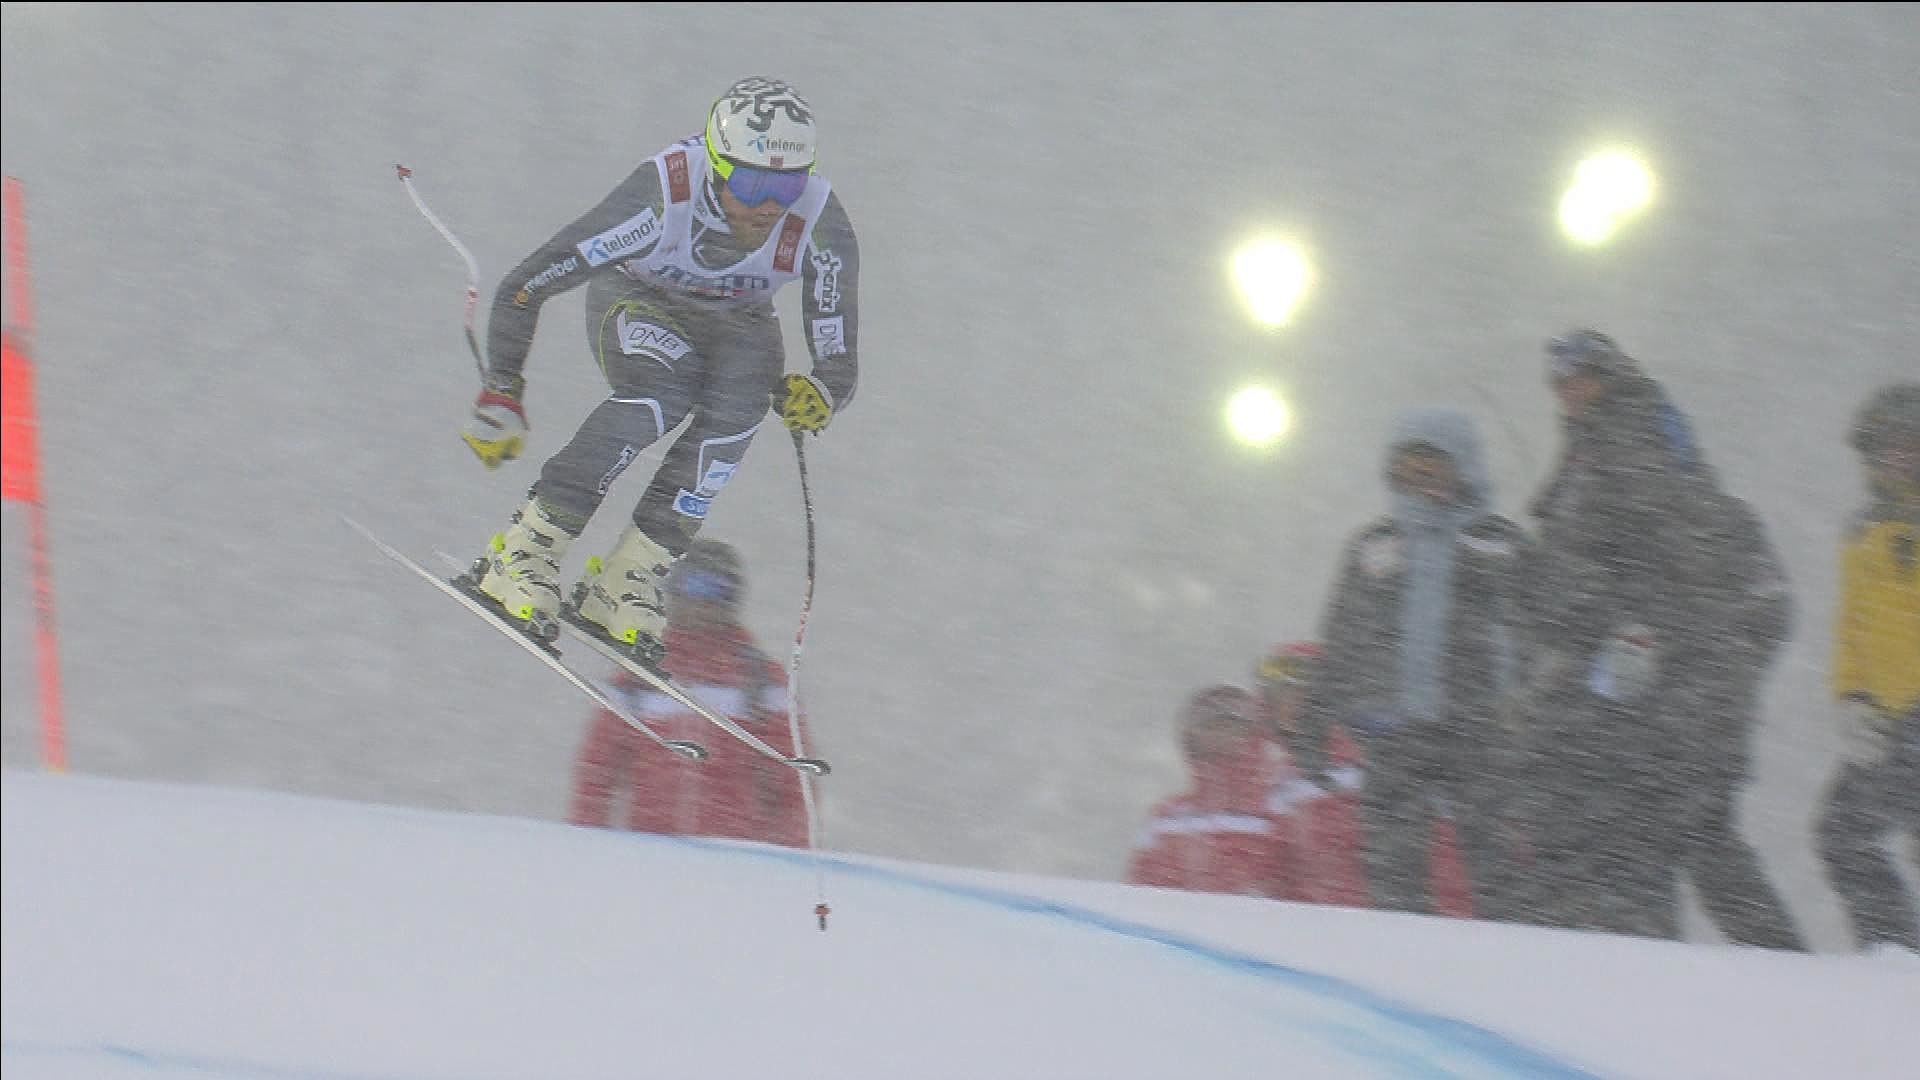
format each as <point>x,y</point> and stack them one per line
<point>695,504</point>
<point>643,337</point>
<point>830,336</point>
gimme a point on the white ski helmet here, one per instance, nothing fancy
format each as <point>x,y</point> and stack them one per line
<point>760,122</point>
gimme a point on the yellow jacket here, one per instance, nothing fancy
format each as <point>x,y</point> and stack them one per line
<point>1876,641</point>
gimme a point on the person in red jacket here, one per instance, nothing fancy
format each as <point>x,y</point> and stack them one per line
<point>1321,822</point>
<point>1217,835</point>
<point>735,793</point>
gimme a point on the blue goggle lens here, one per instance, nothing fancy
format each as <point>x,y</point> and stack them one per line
<point>754,186</point>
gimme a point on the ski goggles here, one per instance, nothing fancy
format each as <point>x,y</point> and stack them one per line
<point>754,185</point>
<point>706,585</point>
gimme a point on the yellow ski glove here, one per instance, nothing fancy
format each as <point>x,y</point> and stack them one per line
<point>804,403</point>
<point>497,429</point>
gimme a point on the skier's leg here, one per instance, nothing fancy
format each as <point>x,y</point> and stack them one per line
<point>521,570</point>
<point>740,356</point>
<point>653,373</point>
<point>744,362</point>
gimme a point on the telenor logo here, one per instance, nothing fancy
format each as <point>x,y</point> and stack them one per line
<point>623,239</point>
<point>776,146</point>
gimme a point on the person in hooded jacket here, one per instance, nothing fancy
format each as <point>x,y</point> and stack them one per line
<point>1657,608</point>
<point>1419,642</point>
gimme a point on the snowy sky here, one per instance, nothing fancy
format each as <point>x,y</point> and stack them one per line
<point>1034,537</point>
<point>260,936</point>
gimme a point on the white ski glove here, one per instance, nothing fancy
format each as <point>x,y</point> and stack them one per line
<point>1866,731</point>
<point>1627,665</point>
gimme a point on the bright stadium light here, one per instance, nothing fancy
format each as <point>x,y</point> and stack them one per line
<point>1608,190</point>
<point>1257,417</point>
<point>1272,276</point>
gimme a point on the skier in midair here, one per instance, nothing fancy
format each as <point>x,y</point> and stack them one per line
<point>681,262</point>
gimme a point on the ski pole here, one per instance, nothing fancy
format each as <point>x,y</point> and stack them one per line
<point>473,268</point>
<point>816,830</point>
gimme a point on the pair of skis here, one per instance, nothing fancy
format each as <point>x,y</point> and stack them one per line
<point>550,656</point>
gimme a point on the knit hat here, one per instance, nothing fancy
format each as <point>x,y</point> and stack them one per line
<point>1588,351</point>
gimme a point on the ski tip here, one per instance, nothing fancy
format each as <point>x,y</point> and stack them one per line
<point>362,530</point>
<point>813,766</point>
<point>692,751</point>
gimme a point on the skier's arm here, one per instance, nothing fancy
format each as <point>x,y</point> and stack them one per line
<point>625,224</point>
<point>830,304</point>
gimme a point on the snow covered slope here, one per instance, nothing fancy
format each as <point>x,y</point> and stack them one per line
<point>172,931</point>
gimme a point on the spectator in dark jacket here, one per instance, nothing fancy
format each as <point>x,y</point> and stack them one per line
<point>1656,608</point>
<point>1418,644</point>
<point>1324,823</point>
<point>1747,587</point>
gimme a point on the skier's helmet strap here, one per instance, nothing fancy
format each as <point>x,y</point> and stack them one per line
<point>760,122</point>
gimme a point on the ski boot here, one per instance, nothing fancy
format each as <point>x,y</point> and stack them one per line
<point>622,599</point>
<point>521,571</point>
